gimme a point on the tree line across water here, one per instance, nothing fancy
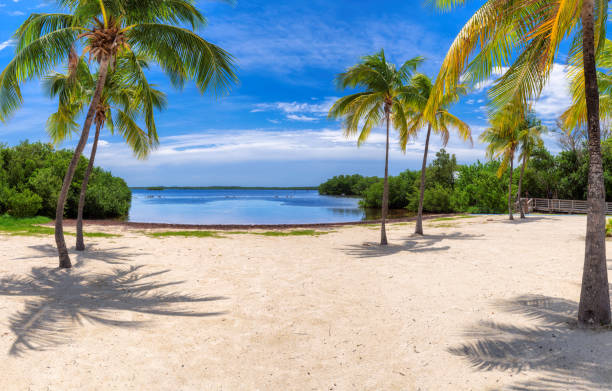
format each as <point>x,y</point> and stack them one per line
<point>31,178</point>
<point>476,187</point>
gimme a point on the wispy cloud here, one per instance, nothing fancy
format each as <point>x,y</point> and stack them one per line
<point>6,44</point>
<point>298,111</point>
<point>278,38</point>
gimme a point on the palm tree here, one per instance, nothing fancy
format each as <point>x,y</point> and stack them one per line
<point>503,140</point>
<point>525,36</point>
<point>530,138</point>
<point>126,97</point>
<point>106,28</point>
<point>442,121</point>
<point>381,102</point>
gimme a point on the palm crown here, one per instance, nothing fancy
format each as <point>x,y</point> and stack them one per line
<point>126,98</point>
<point>105,28</point>
<point>443,120</point>
<point>385,87</point>
<point>523,34</point>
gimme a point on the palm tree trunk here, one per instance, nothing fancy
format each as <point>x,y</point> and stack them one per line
<point>520,186</point>
<point>594,308</point>
<point>510,216</point>
<point>64,259</point>
<point>80,244</point>
<point>385,200</point>
<point>419,222</point>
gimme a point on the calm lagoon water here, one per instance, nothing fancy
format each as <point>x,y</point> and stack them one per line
<point>178,206</point>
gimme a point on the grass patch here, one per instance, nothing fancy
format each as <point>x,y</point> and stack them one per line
<point>609,228</point>
<point>30,226</point>
<point>25,226</point>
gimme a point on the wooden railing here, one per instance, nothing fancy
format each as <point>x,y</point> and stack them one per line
<point>562,206</point>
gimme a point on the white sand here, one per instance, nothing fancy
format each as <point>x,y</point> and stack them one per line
<point>475,305</point>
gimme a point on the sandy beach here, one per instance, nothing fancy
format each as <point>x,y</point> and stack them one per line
<point>476,304</point>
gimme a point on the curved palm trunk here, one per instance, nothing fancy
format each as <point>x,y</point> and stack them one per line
<point>594,307</point>
<point>520,186</point>
<point>385,200</point>
<point>80,244</point>
<point>510,216</point>
<point>64,259</point>
<point>419,222</point>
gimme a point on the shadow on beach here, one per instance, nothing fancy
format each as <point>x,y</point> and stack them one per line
<point>113,256</point>
<point>414,244</point>
<point>565,356</point>
<point>61,300</point>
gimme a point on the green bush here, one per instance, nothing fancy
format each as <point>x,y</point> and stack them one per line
<point>30,169</point>
<point>107,196</point>
<point>401,188</point>
<point>437,199</point>
<point>478,190</point>
<point>347,185</point>
<point>24,204</point>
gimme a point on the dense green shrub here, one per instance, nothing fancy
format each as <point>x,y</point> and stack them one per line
<point>479,190</point>
<point>31,177</point>
<point>475,188</point>
<point>437,199</point>
<point>107,195</point>
<point>24,204</point>
<point>401,188</point>
<point>348,185</point>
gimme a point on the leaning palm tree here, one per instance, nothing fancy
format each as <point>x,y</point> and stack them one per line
<point>441,124</point>
<point>502,139</point>
<point>381,102</point>
<point>106,29</point>
<point>529,138</point>
<point>126,98</point>
<point>523,37</point>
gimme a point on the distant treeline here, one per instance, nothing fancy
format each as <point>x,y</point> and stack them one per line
<point>224,188</point>
<point>31,177</point>
<point>475,188</point>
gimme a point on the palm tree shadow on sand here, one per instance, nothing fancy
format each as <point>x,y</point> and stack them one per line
<point>414,244</point>
<point>112,256</point>
<point>61,300</point>
<point>565,356</point>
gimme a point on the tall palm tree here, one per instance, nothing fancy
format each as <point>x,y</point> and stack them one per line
<point>525,36</point>
<point>104,29</point>
<point>126,98</point>
<point>441,124</point>
<point>502,139</point>
<point>381,102</point>
<point>529,138</point>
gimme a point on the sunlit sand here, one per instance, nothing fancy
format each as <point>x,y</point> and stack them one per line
<point>476,304</point>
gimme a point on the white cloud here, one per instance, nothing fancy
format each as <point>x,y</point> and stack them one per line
<point>303,118</point>
<point>6,44</point>
<point>298,111</point>
<point>228,147</point>
<point>555,97</point>
<point>16,13</point>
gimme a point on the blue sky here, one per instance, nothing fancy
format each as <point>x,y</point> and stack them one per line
<point>272,128</point>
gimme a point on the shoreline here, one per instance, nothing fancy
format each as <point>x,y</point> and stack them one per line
<point>130,224</point>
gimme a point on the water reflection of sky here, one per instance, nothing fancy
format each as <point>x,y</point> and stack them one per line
<point>241,207</point>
